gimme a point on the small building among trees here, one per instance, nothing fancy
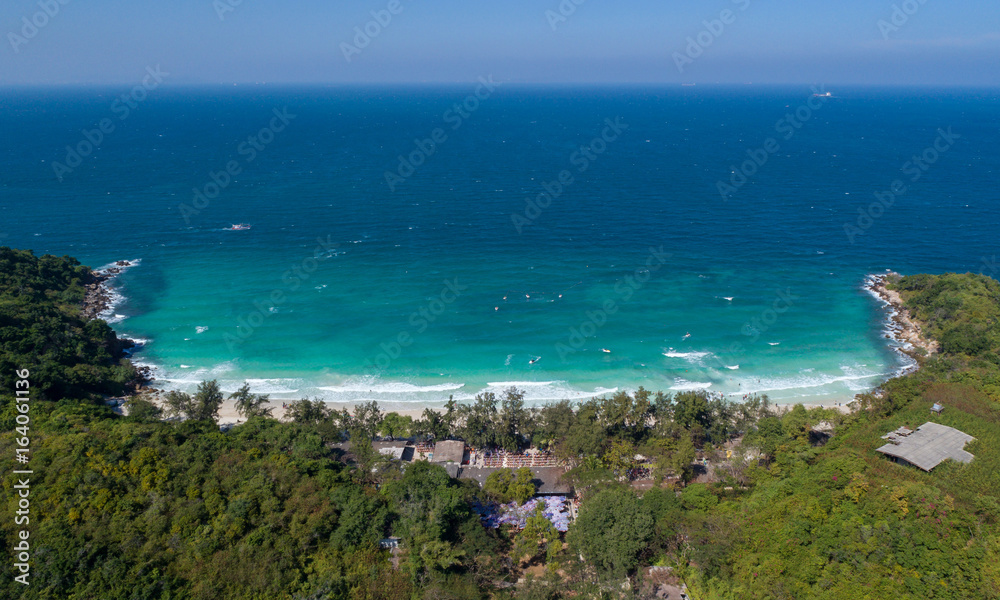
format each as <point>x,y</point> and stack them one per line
<point>928,446</point>
<point>452,451</point>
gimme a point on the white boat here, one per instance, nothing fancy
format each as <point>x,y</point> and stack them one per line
<point>238,227</point>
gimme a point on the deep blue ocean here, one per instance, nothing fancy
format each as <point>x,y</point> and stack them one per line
<point>571,240</point>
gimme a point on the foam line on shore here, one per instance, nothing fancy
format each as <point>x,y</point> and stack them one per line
<point>391,388</point>
<point>905,334</point>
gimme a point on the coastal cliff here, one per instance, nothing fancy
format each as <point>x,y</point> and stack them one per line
<point>98,299</point>
<point>903,327</point>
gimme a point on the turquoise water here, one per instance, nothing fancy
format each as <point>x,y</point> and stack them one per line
<point>347,290</point>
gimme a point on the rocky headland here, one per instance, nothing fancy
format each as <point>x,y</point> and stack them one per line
<point>902,326</point>
<point>99,302</point>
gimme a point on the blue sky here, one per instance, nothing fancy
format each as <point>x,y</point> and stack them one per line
<point>600,41</point>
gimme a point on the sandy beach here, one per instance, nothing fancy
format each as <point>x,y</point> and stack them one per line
<point>228,414</point>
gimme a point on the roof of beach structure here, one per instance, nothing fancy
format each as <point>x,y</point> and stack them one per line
<point>928,446</point>
<point>547,479</point>
<point>398,449</point>
<point>449,451</point>
<point>395,452</point>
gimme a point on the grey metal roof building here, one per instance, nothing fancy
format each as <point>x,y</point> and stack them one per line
<point>928,446</point>
<point>449,451</point>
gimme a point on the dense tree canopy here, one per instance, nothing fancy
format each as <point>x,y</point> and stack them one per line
<point>133,506</point>
<point>42,329</point>
<point>612,529</point>
<point>509,485</point>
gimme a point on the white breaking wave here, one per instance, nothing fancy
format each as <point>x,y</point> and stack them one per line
<point>201,328</point>
<point>853,379</point>
<point>115,299</point>
<point>131,263</point>
<point>190,382</point>
<point>536,392</point>
<point>223,368</point>
<point>270,386</point>
<point>890,329</point>
<point>691,356</point>
<point>683,385</point>
<point>390,388</point>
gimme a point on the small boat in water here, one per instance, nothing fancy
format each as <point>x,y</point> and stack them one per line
<point>238,227</point>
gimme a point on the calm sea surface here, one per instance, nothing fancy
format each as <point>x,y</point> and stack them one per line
<point>568,241</point>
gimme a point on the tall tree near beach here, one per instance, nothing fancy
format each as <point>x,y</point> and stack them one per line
<point>513,419</point>
<point>479,427</point>
<point>202,406</point>
<point>251,405</point>
<point>395,425</point>
<point>368,418</point>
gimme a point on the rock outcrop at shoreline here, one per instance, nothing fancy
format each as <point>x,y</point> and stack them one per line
<point>98,302</point>
<point>98,298</point>
<point>902,327</point>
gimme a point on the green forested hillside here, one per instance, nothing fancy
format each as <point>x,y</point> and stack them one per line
<point>132,507</point>
<point>41,329</point>
<point>841,521</point>
<point>961,311</point>
<point>135,508</point>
